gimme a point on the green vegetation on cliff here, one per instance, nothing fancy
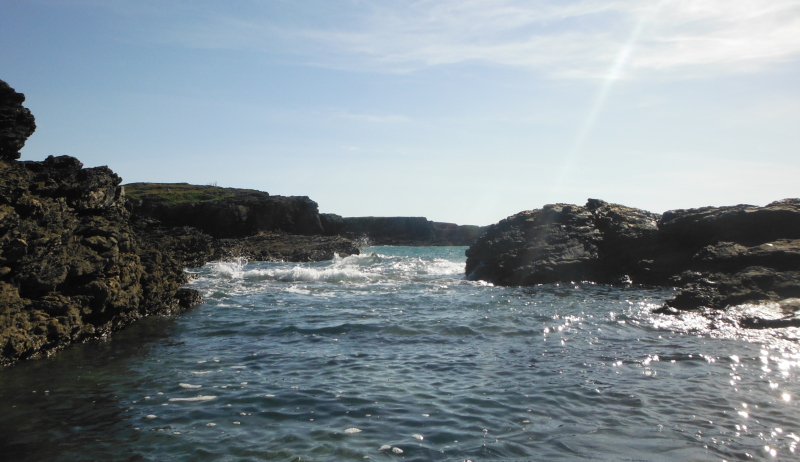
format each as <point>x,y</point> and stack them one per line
<point>177,193</point>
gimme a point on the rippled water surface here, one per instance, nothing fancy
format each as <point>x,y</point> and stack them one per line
<point>392,355</point>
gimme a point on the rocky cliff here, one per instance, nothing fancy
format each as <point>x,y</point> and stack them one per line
<point>227,213</point>
<point>400,230</point>
<point>224,212</point>
<point>72,266</point>
<point>717,256</point>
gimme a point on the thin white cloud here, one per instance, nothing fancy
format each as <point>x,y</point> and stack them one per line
<point>577,38</point>
<point>725,36</point>
<point>373,118</point>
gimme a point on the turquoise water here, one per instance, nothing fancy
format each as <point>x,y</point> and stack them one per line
<point>392,355</point>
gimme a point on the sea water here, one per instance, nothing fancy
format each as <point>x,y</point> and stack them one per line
<point>393,355</point>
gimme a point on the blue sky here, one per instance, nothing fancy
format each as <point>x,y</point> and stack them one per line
<point>463,111</point>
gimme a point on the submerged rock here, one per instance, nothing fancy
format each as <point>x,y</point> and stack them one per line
<point>717,256</point>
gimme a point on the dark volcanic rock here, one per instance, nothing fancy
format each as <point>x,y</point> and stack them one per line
<point>71,265</point>
<point>600,242</point>
<point>718,256</point>
<point>16,122</point>
<point>76,264</point>
<point>224,212</point>
<point>285,247</point>
<point>400,230</point>
<point>725,256</point>
<point>246,223</point>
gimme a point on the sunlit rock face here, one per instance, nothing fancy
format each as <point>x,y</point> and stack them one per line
<point>734,255</point>
<point>718,256</point>
<point>16,122</point>
<point>599,242</point>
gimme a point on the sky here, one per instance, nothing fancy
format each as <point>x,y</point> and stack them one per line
<point>463,111</point>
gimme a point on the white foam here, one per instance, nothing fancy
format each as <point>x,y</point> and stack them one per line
<point>196,398</point>
<point>186,385</point>
<point>309,274</point>
<point>229,269</point>
<point>352,430</point>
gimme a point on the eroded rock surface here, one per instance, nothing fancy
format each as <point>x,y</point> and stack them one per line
<point>76,264</point>
<point>71,265</point>
<point>717,256</point>
<point>224,212</point>
<point>600,242</point>
<point>277,247</point>
<point>16,122</point>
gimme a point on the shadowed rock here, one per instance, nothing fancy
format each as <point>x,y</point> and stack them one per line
<point>16,122</point>
<point>224,212</point>
<point>718,256</point>
<point>72,266</point>
<point>415,231</point>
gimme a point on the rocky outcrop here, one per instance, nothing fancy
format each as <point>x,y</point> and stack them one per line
<point>732,255</point>
<point>224,212</point>
<point>72,266</point>
<point>243,222</point>
<point>227,213</point>
<point>416,231</point>
<point>718,256</point>
<point>76,264</point>
<point>278,247</point>
<point>16,122</point>
<point>599,242</point>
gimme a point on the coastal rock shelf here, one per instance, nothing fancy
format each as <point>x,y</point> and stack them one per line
<point>224,212</point>
<point>76,263</point>
<point>71,265</point>
<point>718,256</point>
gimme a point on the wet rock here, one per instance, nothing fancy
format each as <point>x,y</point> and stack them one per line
<point>188,297</point>
<point>600,242</point>
<point>717,256</point>
<point>285,247</point>
<point>72,264</point>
